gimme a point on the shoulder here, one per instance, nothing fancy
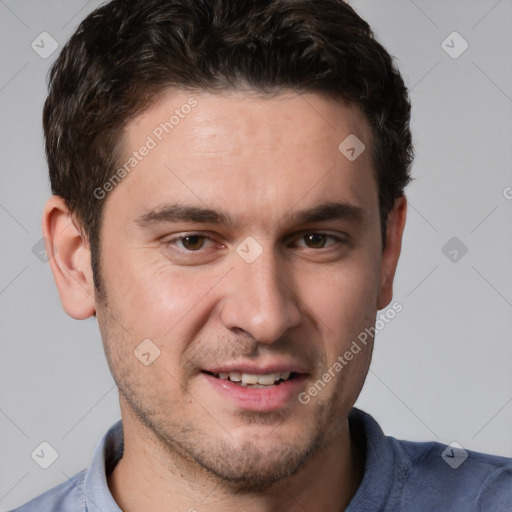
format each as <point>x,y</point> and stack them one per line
<point>86,489</point>
<point>66,497</point>
<point>451,477</point>
<point>428,476</point>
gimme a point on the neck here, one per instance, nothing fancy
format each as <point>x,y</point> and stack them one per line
<point>150,478</point>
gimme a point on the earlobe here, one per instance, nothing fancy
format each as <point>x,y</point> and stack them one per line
<point>70,260</point>
<point>391,252</point>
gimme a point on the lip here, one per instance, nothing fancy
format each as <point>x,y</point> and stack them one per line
<point>252,368</point>
<point>256,399</point>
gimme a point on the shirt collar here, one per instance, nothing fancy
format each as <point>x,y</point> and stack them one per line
<point>384,465</point>
<point>107,454</point>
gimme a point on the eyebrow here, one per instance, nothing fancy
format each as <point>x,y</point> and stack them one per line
<point>176,212</point>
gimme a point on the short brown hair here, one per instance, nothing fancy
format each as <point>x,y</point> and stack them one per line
<point>128,51</point>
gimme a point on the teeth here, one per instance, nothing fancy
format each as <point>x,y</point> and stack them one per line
<point>256,380</point>
<point>267,380</point>
<point>249,378</point>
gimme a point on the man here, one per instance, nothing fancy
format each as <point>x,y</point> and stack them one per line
<point>228,184</point>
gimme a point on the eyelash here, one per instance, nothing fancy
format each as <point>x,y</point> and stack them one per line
<point>173,241</point>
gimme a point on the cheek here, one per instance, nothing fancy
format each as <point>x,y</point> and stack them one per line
<point>343,303</point>
<point>147,293</point>
<point>343,296</point>
<point>154,300</point>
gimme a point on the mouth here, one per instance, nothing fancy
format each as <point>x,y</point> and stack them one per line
<point>255,380</point>
<point>256,388</point>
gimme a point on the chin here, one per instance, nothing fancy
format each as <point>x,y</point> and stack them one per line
<point>250,468</point>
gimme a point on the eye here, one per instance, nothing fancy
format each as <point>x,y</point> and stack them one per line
<point>318,240</point>
<point>190,243</point>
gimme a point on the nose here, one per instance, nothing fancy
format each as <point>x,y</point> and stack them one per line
<point>259,300</point>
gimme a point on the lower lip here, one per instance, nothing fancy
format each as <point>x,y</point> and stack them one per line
<point>258,399</point>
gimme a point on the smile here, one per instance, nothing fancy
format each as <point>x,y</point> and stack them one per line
<point>268,391</point>
<point>254,380</point>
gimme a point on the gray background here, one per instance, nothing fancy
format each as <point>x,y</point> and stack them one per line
<point>441,368</point>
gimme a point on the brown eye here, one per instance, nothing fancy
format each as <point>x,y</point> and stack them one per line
<point>319,240</point>
<point>189,243</point>
<point>315,240</point>
<point>193,242</point>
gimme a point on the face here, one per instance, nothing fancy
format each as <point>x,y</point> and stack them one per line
<point>246,248</point>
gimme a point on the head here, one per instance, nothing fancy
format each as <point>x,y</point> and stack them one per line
<point>241,108</point>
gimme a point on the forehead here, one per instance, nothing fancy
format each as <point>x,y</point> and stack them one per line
<point>247,152</point>
<point>247,117</point>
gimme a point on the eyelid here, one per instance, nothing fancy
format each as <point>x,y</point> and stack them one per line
<point>336,237</point>
<point>295,237</point>
<point>181,236</point>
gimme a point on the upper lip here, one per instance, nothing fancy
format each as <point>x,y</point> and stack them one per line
<point>257,369</point>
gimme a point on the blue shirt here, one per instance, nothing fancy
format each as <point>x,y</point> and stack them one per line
<point>398,476</point>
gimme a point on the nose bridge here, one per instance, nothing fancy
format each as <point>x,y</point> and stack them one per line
<point>259,301</point>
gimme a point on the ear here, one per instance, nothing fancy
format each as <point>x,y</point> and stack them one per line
<point>394,231</point>
<point>70,259</point>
